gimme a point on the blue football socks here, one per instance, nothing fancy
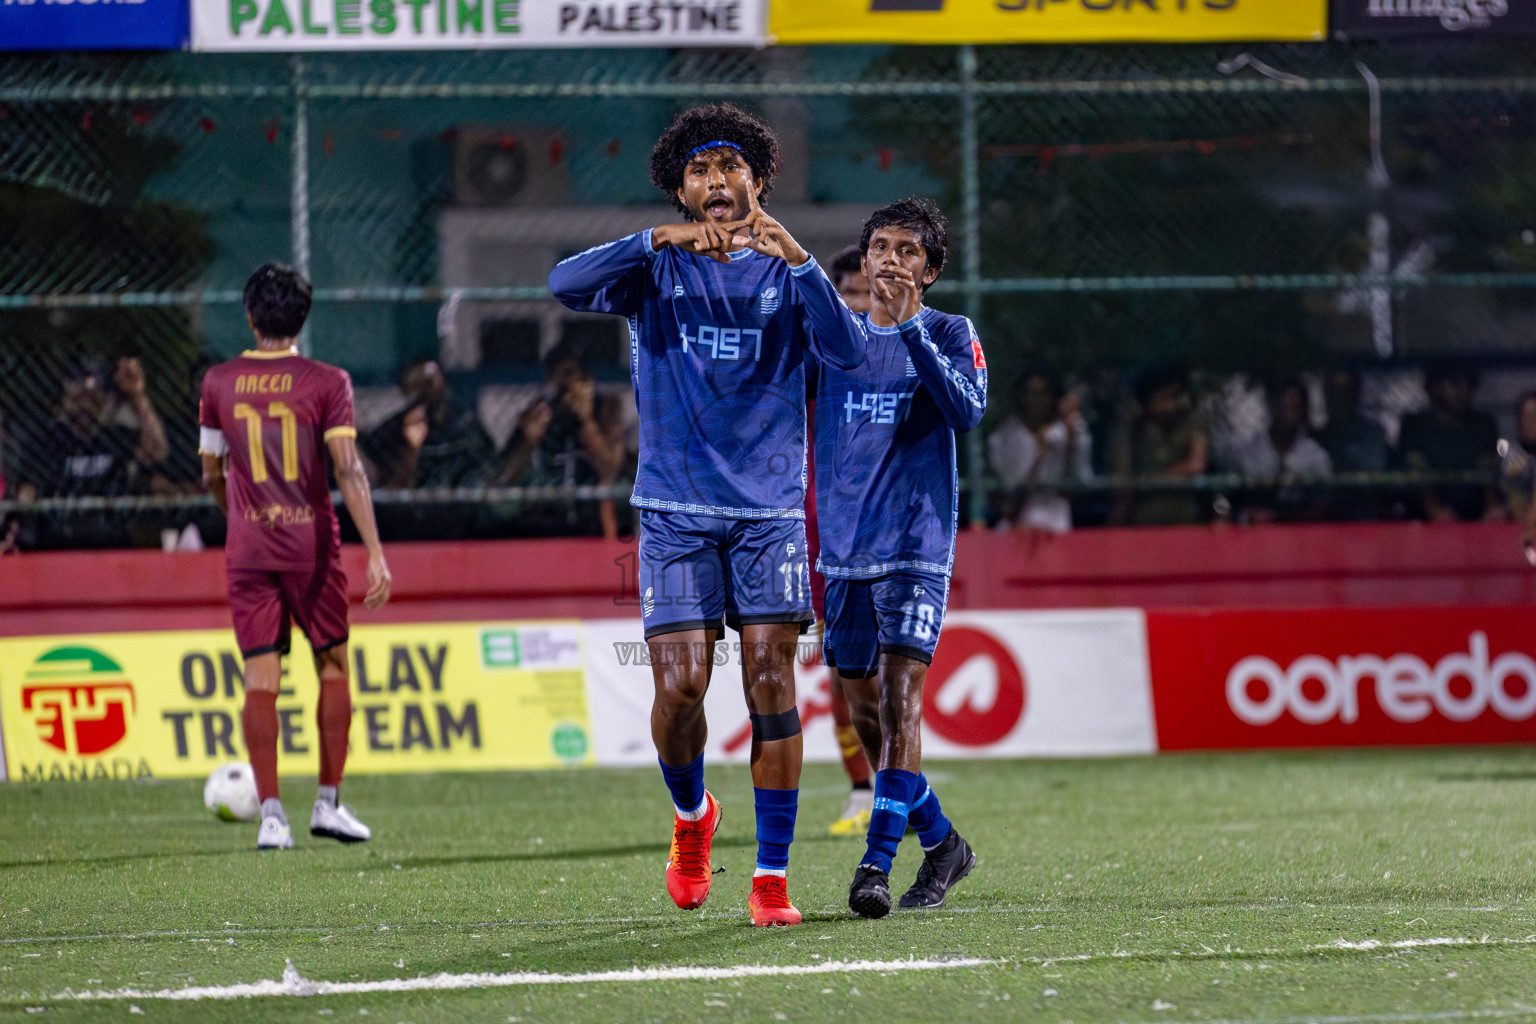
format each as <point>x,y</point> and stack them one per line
<point>775,828</point>
<point>927,816</point>
<point>894,792</point>
<point>687,786</point>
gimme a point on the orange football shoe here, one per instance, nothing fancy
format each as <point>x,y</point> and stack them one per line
<point>688,863</point>
<point>769,902</point>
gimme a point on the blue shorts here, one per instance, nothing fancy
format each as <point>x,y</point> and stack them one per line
<point>900,613</point>
<point>697,570</point>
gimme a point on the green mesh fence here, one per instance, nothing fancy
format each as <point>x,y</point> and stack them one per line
<point>1111,206</point>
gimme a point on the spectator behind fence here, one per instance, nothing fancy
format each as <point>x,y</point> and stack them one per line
<point>1044,442</point>
<point>78,453</point>
<point>1452,437</point>
<point>1518,460</point>
<point>1286,449</point>
<point>571,436</point>
<point>435,441</point>
<point>1354,441</point>
<point>1166,441</point>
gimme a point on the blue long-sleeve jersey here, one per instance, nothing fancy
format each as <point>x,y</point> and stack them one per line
<point>887,484</point>
<point>717,354</point>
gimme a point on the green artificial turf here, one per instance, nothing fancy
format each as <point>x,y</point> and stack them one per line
<point>1166,889</point>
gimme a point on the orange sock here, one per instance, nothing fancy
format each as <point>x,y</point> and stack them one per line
<point>258,721</point>
<point>335,718</point>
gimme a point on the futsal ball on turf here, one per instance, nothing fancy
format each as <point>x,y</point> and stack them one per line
<point>230,792</point>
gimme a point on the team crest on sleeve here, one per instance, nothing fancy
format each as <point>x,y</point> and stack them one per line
<point>768,301</point>
<point>977,356</point>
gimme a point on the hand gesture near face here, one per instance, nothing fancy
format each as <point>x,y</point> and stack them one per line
<point>763,234</point>
<point>535,421</point>
<point>706,239</point>
<point>129,377</point>
<point>414,428</point>
<point>580,396</point>
<point>897,292</point>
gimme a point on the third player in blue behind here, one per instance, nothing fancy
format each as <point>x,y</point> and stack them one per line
<point>723,311</point>
<point>887,503</point>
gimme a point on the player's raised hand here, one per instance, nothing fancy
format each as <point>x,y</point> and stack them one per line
<point>898,292</point>
<point>763,234</point>
<point>378,582</point>
<point>711,240</point>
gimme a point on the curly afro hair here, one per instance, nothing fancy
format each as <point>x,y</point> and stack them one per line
<point>915,214</point>
<point>723,122</point>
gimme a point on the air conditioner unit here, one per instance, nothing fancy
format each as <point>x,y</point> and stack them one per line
<point>510,165</point>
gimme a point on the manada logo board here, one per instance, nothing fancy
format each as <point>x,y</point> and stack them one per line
<point>80,700</point>
<point>425,697</point>
<point>80,704</point>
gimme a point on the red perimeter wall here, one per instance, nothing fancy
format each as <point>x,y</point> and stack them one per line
<point>1355,565</point>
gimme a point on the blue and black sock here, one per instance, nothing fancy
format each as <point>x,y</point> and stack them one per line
<point>894,791</point>
<point>927,816</point>
<point>775,828</point>
<point>687,786</point>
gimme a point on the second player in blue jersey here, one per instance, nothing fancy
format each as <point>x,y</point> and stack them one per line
<point>723,312</point>
<point>887,503</point>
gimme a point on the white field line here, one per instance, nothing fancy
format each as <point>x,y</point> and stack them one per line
<point>235,932</point>
<point>1413,943</point>
<point>1379,1018</point>
<point>294,984</point>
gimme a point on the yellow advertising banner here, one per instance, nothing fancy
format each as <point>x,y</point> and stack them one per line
<point>425,697</point>
<point>797,22</point>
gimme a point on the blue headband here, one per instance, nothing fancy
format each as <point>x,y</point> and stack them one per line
<point>717,144</point>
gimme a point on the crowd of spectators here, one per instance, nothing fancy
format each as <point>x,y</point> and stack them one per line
<point>569,434</point>
<point>1153,448</point>
<point>1091,456</point>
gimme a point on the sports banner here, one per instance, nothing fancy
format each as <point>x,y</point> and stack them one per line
<point>1343,677</point>
<point>472,24</point>
<point>93,24</point>
<point>1044,21</point>
<point>1371,19</point>
<point>425,698</point>
<point>1002,684</point>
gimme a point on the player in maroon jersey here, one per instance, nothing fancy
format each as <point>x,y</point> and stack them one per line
<point>268,419</point>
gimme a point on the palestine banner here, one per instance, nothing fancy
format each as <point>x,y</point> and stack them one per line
<point>285,25</point>
<point>1372,19</point>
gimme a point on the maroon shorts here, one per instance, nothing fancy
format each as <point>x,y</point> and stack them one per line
<point>265,604</point>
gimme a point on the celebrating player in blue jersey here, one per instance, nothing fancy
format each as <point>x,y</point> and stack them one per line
<point>887,499</point>
<point>722,312</point>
